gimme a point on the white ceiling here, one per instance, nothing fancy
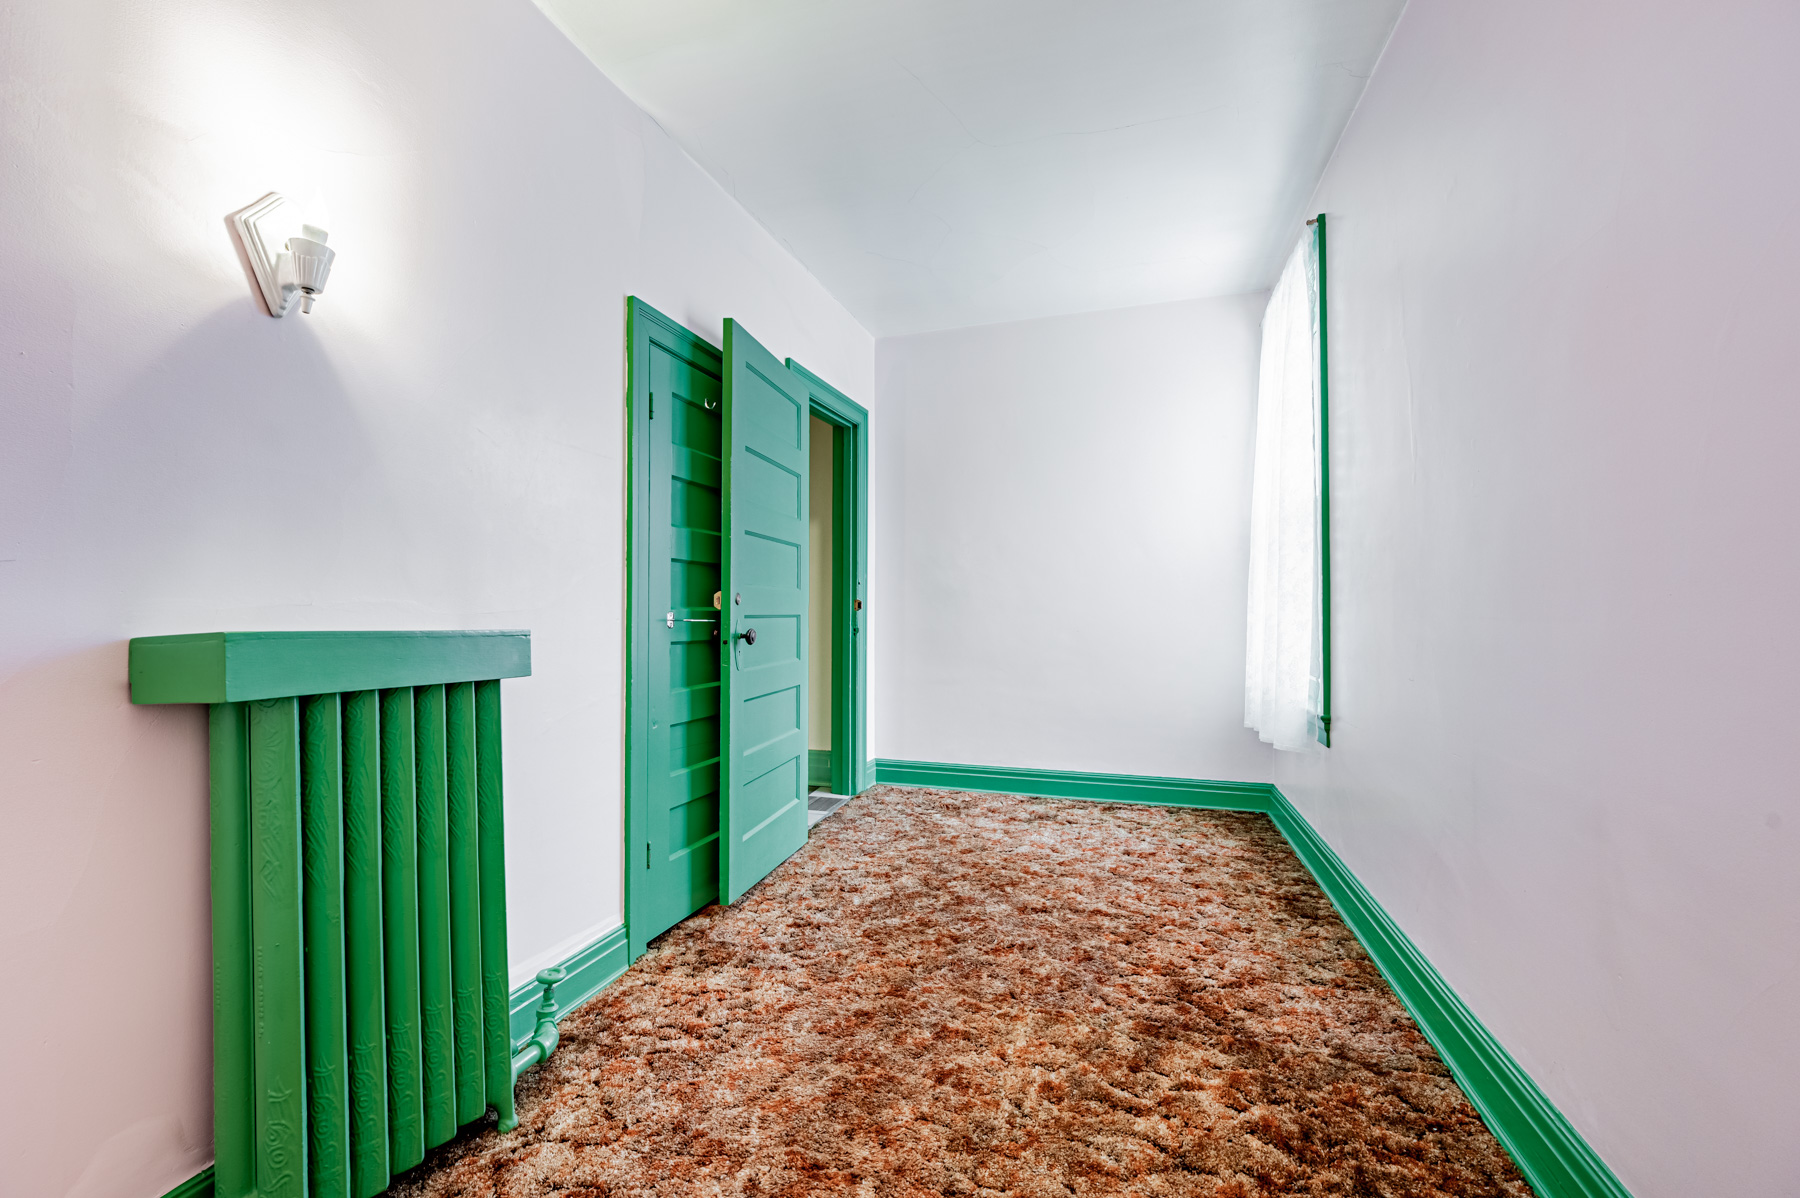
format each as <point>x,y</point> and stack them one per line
<point>942,163</point>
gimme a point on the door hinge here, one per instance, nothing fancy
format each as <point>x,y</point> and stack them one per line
<point>653,405</point>
<point>646,854</point>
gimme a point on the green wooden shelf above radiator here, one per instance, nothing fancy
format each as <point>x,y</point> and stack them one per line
<point>233,667</point>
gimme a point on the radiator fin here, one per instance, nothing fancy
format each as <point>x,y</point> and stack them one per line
<point>465,897</point>
<point>400,902</point>
<point>359,928</point>
<point>363,944</point>
<point>322,887</point>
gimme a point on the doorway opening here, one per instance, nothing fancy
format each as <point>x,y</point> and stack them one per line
<point>821,800</point>
<point>837,758</point>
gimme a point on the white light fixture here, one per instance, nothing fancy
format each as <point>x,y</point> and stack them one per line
<point>288,258</point>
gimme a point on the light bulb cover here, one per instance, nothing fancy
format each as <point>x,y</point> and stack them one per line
<point>312,263</point>
<point>289,259</point>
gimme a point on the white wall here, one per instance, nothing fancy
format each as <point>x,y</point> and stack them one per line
<point>439,445</point>
<point>1064,508</point>
<point>1563,254</point>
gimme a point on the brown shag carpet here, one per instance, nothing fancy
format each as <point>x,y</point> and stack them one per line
<point>951,993</point>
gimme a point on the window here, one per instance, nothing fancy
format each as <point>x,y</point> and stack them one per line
<point>1287,672</point>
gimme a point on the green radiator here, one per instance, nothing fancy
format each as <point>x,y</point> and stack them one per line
<point>358,895</point>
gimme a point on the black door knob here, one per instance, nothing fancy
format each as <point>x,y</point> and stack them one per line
<point>749,636</point>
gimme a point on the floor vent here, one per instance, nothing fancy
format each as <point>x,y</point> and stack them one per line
<point>820,804</point>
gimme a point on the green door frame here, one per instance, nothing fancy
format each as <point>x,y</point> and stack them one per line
<point>851,770</point>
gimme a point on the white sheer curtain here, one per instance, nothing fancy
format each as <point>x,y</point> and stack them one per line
<point>1282,687</point>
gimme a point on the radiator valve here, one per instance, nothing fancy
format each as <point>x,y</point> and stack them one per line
<point>543,1038</point>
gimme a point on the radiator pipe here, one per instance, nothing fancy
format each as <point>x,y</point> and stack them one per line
<point>543,1039</point>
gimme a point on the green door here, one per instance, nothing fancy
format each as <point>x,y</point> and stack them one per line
<point>674,815</point>
<point>764,675</point>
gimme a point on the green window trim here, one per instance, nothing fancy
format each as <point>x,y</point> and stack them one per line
<point>1323,730</point>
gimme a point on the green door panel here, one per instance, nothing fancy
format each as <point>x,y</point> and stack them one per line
<point>765,604</point>
<point>673,822</point>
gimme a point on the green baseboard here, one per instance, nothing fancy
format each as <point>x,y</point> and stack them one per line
<point>818,767</point>
<point>590,971</point>
<point>1546,1147</point>
<point>1068,784</point>
<point>200,1185</point>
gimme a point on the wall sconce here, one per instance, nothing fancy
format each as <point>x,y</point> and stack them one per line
<point>288,258</point>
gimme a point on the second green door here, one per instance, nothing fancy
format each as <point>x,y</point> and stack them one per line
<point>764,672</point>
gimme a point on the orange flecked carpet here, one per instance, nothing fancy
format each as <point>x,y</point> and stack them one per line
<point>951,993</point>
